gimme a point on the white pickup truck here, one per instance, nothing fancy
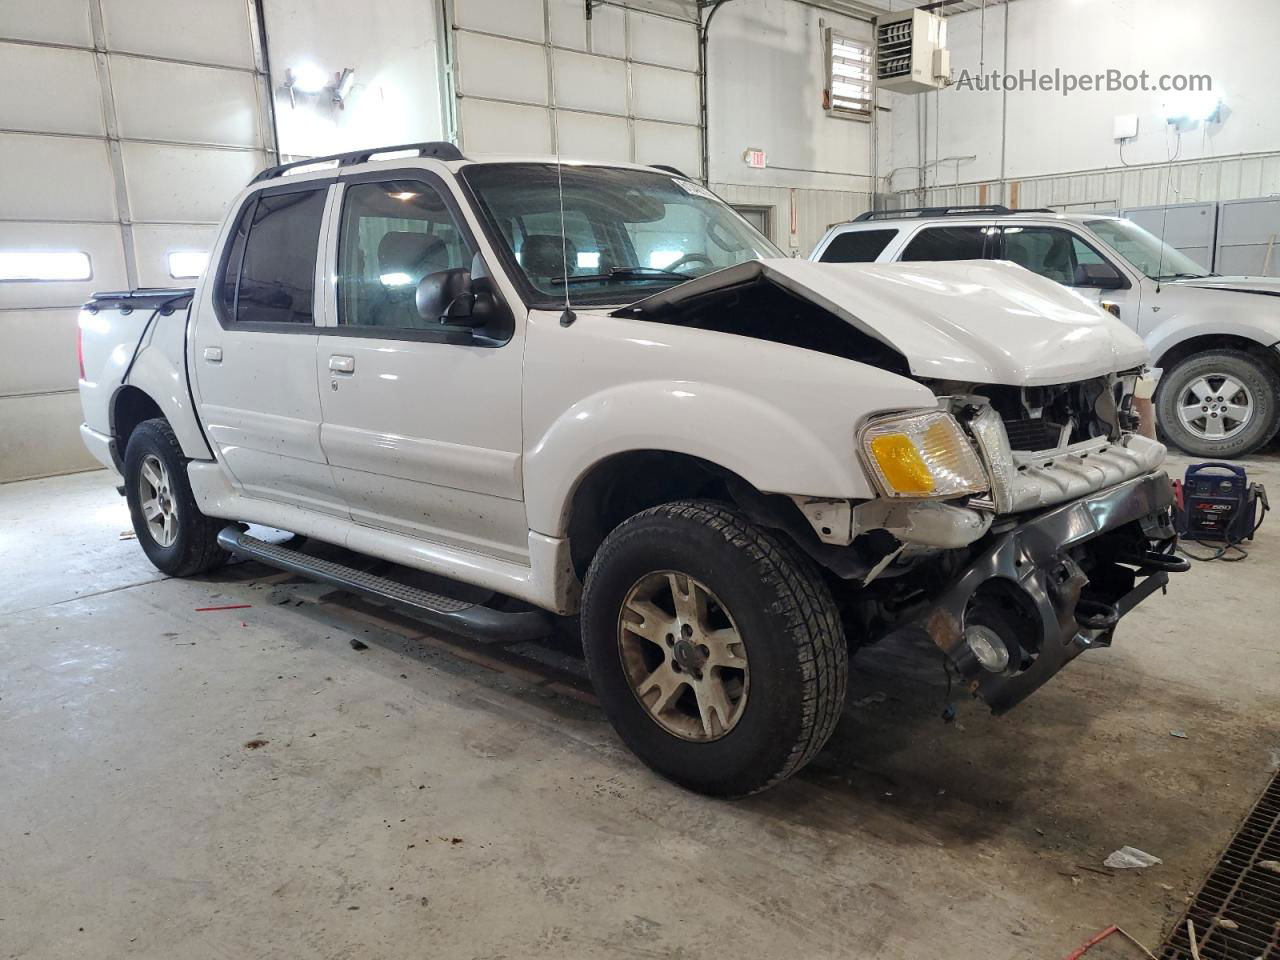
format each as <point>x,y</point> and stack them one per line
<point>594,390</point>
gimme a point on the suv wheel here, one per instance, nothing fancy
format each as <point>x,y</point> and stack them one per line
<point>1220,404</point>
<point>715,648</point>
<point>174,534</point>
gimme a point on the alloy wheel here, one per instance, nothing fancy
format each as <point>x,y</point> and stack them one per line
<point>1215,407</point>
<point>683,656</point>
<point>155,494</point>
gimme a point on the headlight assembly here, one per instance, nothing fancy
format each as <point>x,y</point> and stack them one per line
<point>922,455</point>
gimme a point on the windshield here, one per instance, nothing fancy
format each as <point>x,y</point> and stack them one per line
<point>627,233</point>
<point>1146,252</point>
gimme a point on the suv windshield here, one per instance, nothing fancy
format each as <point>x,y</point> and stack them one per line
<point>1146,252</point>
<point>627,233</point>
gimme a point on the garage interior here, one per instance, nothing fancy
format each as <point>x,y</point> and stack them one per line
<point>247,763</point>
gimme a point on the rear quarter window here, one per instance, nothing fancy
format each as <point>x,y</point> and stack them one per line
<point>857,246</point>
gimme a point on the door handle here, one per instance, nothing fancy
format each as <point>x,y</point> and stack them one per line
<point>341,364</point>
<point>213,354</point>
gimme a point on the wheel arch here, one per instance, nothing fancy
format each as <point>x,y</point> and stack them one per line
<point>130,406</point>
<point>1173,354</point>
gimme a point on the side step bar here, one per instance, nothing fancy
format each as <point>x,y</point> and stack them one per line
<point>458,616</point>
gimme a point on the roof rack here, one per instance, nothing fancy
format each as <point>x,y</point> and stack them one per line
<point>438,149</point>
<point>965,211</point>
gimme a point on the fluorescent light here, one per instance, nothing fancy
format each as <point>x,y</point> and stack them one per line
<point>187,264</point>
<point>403,195</point>
<point>45,265</point>
<point>1193,105</point>
<point>395,279</point>
<point>308,78</point>
<point>661,259</point>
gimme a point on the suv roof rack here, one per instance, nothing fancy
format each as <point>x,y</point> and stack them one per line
<point>437,149</point>
<point>962,211</point>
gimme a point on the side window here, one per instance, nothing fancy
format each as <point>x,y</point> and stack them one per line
<point>857,246</point>
<point>394,234</point>
<point>1054,253</point>
<point>947,243</point>
<point>269,276</point>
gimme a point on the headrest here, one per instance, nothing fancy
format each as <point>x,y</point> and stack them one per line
<point>417,254</point>
<point>545,255</point>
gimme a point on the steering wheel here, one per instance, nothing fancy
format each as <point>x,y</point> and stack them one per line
<point>690,258</point>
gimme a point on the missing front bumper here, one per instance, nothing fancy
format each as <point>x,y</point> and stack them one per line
<point>1054,586</point>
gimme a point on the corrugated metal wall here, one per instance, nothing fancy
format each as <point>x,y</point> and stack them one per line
<point>815,210</point>
<point>1226,178</point>
<point>125,128</point>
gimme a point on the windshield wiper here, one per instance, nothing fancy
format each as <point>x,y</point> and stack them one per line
<point>624,273</point>
<point>1182,276</point>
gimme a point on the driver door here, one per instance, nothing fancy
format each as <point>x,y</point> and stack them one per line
<point>420,419</point>
<point>1064,257</point>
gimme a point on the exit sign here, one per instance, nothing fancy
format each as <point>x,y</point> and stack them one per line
<point>754,158</point>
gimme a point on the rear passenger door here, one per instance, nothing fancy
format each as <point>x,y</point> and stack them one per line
<point>952,241</point>
<point>253,362</point>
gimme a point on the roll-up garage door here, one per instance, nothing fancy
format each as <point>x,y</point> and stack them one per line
<point>125,128</point>
<point>538,77</point>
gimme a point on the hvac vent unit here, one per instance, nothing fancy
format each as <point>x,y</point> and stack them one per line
<point>911,52</point>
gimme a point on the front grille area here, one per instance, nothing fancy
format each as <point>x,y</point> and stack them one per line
<point>1236,914</point>
<point>1033,435</point>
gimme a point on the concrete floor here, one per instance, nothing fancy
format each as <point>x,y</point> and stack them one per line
<point>434,797</point>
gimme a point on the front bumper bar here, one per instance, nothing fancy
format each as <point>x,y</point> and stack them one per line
<point>1068,563</point>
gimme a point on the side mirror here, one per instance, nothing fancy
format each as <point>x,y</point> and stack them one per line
<point>447,297</point>
<point>1099,276</point>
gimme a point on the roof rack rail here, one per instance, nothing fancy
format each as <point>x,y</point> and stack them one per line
<point>960,211</point>
<point>437,149</point>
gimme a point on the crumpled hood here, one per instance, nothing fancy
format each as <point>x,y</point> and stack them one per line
<point>978,321</point>
<point>1268,286</point>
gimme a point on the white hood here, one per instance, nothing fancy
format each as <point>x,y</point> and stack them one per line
<point>978,321</point>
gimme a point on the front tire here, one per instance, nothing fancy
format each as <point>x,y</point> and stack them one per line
<point>715,648</point>
<point>1220,404</point>
<point>173,533</point>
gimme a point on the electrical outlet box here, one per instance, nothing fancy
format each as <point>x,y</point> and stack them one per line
<point>1126,127</point>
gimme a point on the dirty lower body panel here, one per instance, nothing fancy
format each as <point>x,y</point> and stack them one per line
<point>1046,590</point>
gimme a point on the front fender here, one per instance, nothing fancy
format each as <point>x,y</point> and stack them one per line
<point>1230,313</point>
<point>782,418</point>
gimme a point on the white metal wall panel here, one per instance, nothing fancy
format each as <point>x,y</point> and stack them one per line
<point>506,18</point>
<point>584,82</point>
<point>499,69</point>
<point>612,77</point>
<point>154,242</point>
<point>49,90</point>
<point>40,436</point>
<point>605,33</point>
<point>661,94</point>
<point>492,127</point>
<point>169,183</point>
<point>589,136</point>
<point>207,31</point>
<point>661,40</point>
<point>79,166</point>
<point>49,362</point>
<point>668,143</point>
<point>158,100</point>
<point>1249,237</point>
<point>119,119</point>
<point>101,241</point>
<point>51,21</point>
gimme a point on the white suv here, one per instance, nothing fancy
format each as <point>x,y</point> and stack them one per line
<point>1216,337</point>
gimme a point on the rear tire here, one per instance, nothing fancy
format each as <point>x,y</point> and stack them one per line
<point>1188,412</point>
<point>173,533</point>
<point>715,648</point>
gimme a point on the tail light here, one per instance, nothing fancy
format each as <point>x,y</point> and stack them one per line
<point>80,350</point>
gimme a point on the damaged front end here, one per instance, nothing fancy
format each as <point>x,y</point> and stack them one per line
<point>1075,530</point>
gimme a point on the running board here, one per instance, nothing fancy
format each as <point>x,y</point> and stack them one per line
<point>458,616</point>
